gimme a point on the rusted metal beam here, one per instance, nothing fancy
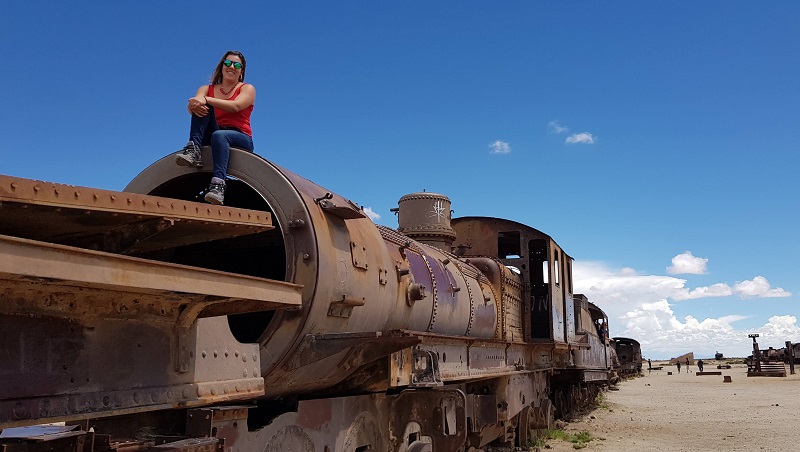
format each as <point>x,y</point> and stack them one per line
<point>28,260</point>
<point>28,267</point>
<point>116,221</point>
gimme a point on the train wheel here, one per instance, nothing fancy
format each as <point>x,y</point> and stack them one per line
<point>363,433</point>
<point>544,416</point>
<point>291,437</point>
<point>419,446</point>
<point>525,425</point>
<point>563,405</point>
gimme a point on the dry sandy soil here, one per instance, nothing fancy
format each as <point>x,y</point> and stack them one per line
<point>686,412</point>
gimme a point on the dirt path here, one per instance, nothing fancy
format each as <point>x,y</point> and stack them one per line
<point>686,412</point>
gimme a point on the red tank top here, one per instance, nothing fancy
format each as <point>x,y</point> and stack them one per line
<point>239,119</point>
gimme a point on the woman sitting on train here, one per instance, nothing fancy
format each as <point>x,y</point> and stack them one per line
<point>220,118</point>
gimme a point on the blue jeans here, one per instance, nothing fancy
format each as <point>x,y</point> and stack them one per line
<point>205,131</point>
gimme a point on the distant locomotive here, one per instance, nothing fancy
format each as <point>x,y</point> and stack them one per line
<point>629,356</point>
<point>286,320</point>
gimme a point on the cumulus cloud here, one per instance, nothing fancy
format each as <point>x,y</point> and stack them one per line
<point>638,306</point>
<point>580,138</point>
<point>371,214</point>
<point>757,287</point>
<point>716,290</point>
<point>664,335</point>
<point>500,147</point>
<point>686,263</point>
<point>555,127</point>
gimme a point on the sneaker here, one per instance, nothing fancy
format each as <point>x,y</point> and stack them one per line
<point>189,156</point>
<point>215,193</point>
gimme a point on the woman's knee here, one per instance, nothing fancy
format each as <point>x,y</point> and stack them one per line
<point>219,137</point>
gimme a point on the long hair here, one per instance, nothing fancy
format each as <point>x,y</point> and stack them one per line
<point>216,77</point>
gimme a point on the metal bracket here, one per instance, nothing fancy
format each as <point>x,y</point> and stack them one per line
<point>344,307</point>
<point>345,212</point>
<point>359,255</point>
<point>425,369</point>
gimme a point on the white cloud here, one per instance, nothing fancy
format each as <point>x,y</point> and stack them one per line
<point>555,127</point>
<point>371,214</point>
<point>716,290</point>
<point>637,306</point>
<point>500,147</point>
<point>686,263</point>
<point>759,287</point>
<point>580,138</point>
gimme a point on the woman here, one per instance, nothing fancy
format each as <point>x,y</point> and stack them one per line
<point>220,118</point>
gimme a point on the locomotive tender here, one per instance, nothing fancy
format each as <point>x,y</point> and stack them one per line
<point>285,320</point>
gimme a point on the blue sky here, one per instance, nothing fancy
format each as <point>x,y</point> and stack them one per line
<point>640,135</point>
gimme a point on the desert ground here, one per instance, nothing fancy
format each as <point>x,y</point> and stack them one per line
<point>686,412</point>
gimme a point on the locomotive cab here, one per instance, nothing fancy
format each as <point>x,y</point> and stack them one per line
<point>545,269</point>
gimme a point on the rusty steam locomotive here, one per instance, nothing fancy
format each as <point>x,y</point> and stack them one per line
<point>283,321</point>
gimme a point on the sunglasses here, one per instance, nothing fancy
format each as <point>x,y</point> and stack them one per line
<point>236,64</point>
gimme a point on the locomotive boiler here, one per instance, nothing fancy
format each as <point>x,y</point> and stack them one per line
<point>285,320</point>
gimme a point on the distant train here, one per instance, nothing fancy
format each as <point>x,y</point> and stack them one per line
<point>629,356</point>
<point>284,321</point>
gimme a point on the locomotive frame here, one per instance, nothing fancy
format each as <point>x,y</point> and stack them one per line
<point>288,321</point>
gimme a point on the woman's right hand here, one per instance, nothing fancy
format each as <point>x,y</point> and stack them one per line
<point>198,106</point>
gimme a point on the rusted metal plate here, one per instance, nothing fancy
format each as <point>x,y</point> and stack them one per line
<point>42,438</point>
<point>116,221</point>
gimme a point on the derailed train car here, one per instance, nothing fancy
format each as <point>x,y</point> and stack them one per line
<point>286,320</point>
